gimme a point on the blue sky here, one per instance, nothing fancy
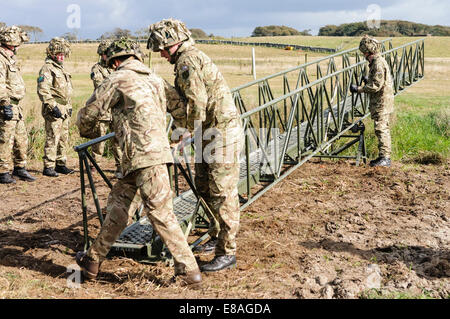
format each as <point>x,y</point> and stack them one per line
<point>224,18</point>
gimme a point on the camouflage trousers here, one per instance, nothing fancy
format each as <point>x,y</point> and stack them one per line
<point>217,183</point>
<point>383,134</point>
<point>56,141</point>
<point>152,185</point>
<point>99,149</point>
<point>13,141</point>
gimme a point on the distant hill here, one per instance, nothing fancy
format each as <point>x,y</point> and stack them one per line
<point>388,28</point>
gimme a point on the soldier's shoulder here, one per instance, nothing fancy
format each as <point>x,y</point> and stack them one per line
<point>95,67</point>
<point>192,57</point>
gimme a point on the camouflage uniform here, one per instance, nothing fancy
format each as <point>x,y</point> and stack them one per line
<point>13,134</point>
<point>55,89</point>
<point>209,102</point>
<point>99,72</point>
<point>381,92</point>
<point>136,97</point>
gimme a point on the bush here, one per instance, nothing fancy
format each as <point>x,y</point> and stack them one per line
<point>274,30</point>
<point>198,34</point>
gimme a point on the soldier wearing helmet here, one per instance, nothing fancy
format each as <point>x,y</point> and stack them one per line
<point>209,112</point>
<point>379,87</point>
<point>54,88</point>
<point>136,98</point>
<point>13,134</point>
<point>100,71</point>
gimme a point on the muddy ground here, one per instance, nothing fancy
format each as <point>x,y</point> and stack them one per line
<point>330,230</point>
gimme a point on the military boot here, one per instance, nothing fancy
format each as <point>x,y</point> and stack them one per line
<point>191,279</point>
<point>63,170</point>
<point>219,263</point>
<point>23,174</point>
<point>208,247</point>
<point>6,178</point>
<point>88,266</point>
<point>50,172</point>
<point>381,162</point>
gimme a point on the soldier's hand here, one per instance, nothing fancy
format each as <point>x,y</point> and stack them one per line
<point>354,88</point>
<point>8,113</point>
<point>365,79</point>
<point>56,113</point>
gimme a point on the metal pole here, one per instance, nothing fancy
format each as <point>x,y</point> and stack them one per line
<point>253,64</point>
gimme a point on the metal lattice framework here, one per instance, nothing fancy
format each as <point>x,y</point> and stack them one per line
<point>286,126</point>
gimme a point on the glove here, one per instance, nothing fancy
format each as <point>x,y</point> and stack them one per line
<point>365,79</point>
<point>56,113</point>
<point>8,113</point>
<point>354,88</point>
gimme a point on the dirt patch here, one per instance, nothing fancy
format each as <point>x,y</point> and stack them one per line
<point>330,230</point>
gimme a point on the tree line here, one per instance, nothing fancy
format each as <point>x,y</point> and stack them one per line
<point>388,28</point>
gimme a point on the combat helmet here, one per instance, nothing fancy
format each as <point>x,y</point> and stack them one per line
<point>103,47</point>
<point>167,33</point>
<point>58,45</point>
<point>369,45</point>
<point>13,36</point>
<point>123,47</point>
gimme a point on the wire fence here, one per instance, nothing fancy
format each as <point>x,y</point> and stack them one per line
<point>237,43</point>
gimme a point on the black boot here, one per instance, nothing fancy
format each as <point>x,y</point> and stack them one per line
<point>219,263</point>
<point>381,162</point>
<point>23,174</point>
<point>6,178</point>
<point>50,172</point>
<point>208,247</point>
<point>63,170</point>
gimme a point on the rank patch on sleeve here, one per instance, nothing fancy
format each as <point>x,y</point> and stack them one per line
<point>40,79</point>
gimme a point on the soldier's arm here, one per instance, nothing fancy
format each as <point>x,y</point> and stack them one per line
<point>100,103</point>
<point>376,79</point>
<point>195,93</point>
<point>96,77</point>
<point>4,96</point>
<point>176,105</point>
<point>44,85</point>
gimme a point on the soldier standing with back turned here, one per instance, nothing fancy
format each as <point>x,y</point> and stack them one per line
<point>55,90</point>
<point>210,109</point>
<point>379,86</point>
<point>100,71</point>
<point>13,134</point>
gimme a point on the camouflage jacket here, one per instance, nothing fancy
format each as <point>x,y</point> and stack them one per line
<point>98,74</point>
<point>54,88</point>
<point>12,86</point>
<point>136,98</point>
<point>380,86</point>
<point>208,97</point>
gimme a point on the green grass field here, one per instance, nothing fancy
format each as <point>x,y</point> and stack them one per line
<point>421,121</point>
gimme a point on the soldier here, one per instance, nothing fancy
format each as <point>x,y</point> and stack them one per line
<point>135,96</point>
<point>13,134</point>
<point>54,89</point>
<point>210,107</point>
<point>100,71</point>
<point>379,86</point>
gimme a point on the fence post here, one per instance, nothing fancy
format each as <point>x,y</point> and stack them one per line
<point>253,64</point>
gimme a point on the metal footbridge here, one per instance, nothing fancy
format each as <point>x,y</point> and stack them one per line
<point>289,118</point>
